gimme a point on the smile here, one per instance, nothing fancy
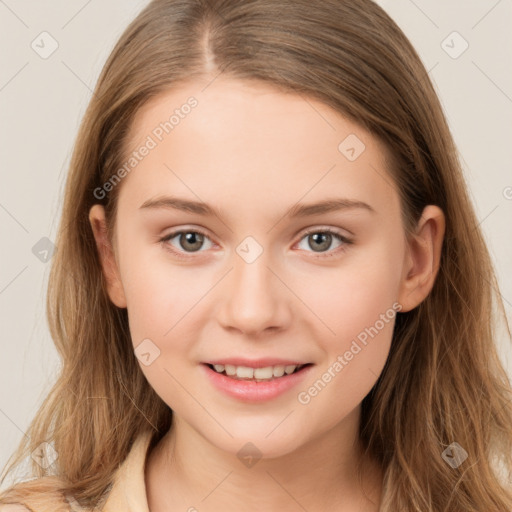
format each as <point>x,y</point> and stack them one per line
<point>256,374</point>
<point>255,384</point>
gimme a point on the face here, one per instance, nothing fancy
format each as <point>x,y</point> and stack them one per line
<point>255,276</point>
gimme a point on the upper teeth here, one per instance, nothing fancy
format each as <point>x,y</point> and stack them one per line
<point>245,372</point>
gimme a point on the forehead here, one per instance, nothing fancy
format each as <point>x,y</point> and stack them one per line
<point>250,142</point>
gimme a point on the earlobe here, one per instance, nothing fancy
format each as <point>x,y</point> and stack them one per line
<point>106,254</point>
<point>423,256</point>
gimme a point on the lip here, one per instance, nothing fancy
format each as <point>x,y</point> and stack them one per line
<point>252,391</point>
<point>256,363</point>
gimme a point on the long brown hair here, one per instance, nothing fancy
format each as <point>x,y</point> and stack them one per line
<point>443,381</point>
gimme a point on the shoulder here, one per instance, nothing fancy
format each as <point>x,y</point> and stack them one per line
<point>35,503</point>
<point>36,495</point>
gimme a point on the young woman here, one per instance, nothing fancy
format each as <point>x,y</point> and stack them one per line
<point>271,290</point>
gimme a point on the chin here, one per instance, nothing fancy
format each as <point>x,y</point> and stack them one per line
<point>257,443</point>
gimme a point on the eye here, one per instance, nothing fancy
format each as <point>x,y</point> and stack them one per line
<point>321,239</point>
<point>188,240</point>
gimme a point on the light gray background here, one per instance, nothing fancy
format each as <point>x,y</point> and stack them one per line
<point>43,100</point>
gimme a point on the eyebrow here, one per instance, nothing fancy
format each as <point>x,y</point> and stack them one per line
<point>297,210</point>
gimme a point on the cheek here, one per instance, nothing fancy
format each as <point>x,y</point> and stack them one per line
<point>361,319</point>
<point>354,295</point>
<point>360,310</point>
<point>158,295</point>
<point>357,306</point>
<point>161,302</point>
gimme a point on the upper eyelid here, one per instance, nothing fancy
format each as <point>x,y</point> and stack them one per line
<point>327,229</point>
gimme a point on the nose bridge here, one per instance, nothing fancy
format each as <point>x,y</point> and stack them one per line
<point>253,301</point>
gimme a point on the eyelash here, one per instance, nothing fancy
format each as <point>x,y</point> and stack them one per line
<point>346,241</point>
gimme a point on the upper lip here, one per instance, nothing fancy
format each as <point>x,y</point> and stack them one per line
<point>255,363</point>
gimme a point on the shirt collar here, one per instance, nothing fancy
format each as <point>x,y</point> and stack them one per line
<point>128,492</point>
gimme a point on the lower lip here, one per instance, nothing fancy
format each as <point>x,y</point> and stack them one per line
<point>252,391</point>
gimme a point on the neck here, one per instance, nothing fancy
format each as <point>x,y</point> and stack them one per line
<point>185,471</point>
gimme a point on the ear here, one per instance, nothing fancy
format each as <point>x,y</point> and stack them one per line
<point>107,256</point>
<point>423,254</point>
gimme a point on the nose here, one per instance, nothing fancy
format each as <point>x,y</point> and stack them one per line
<point>256,300</point>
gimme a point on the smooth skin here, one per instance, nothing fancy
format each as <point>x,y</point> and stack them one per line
<point>252,152</point>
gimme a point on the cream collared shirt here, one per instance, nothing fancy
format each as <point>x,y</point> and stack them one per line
<point>128,492</point>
